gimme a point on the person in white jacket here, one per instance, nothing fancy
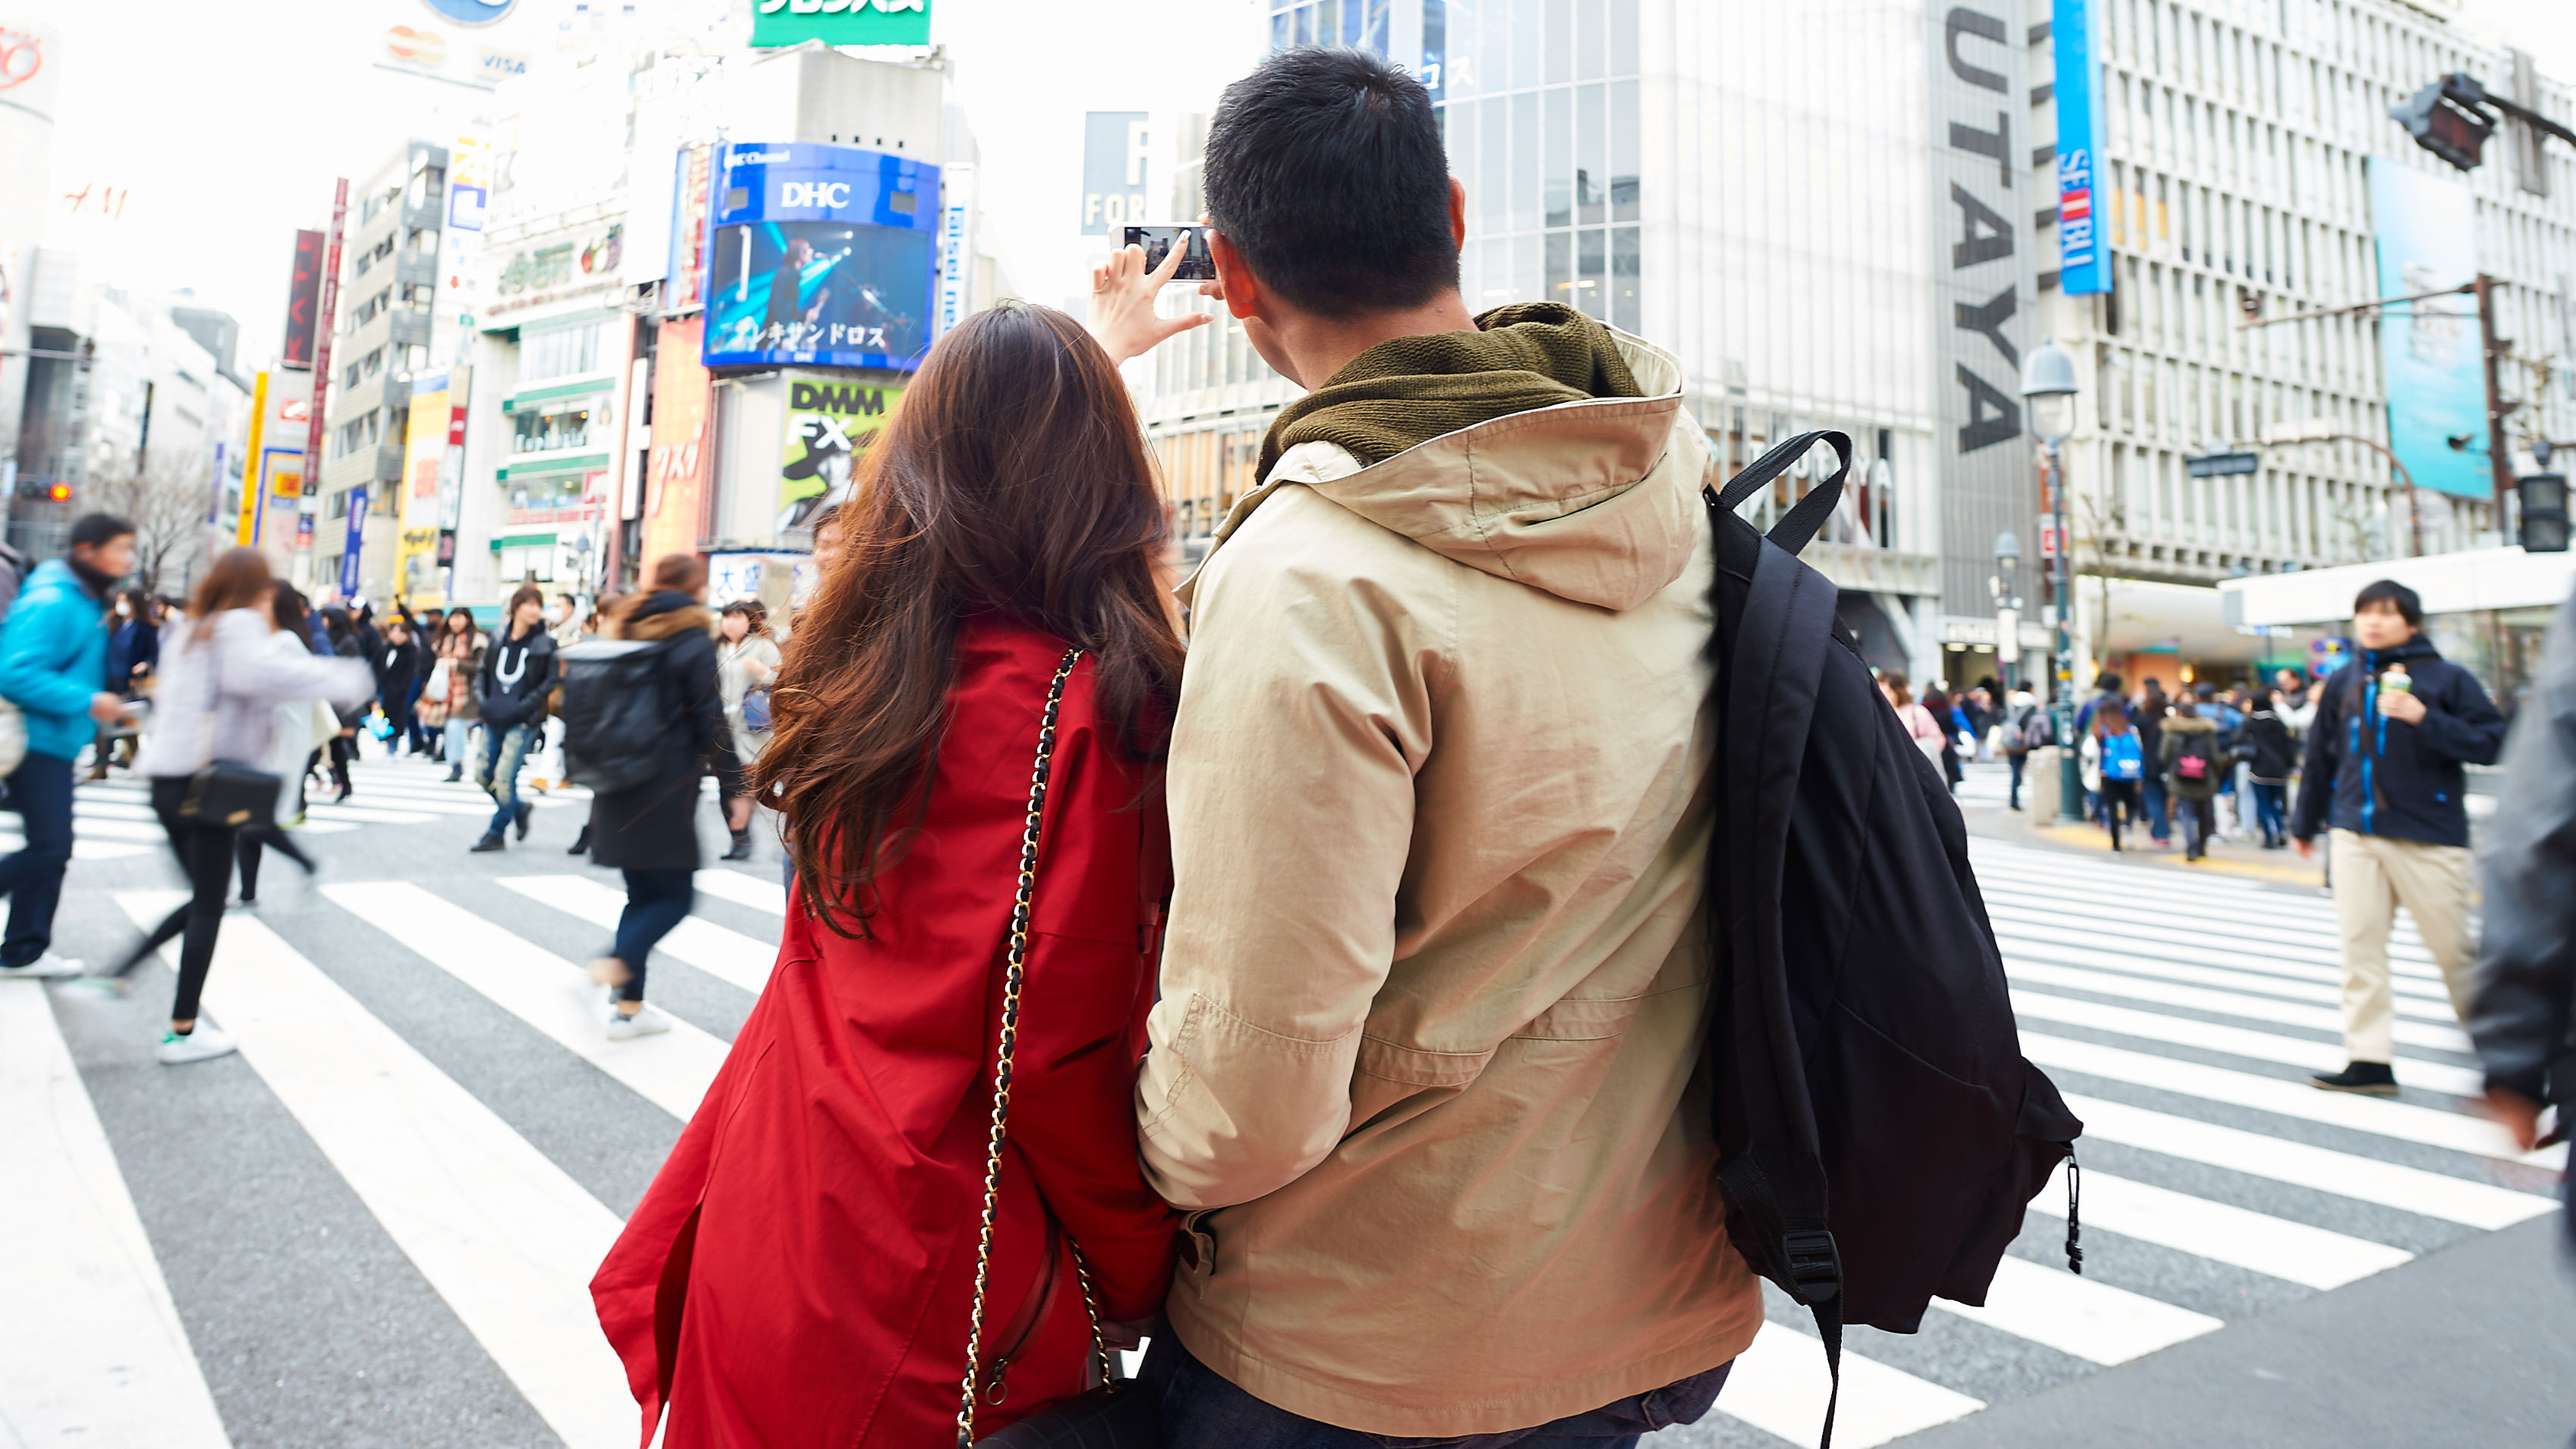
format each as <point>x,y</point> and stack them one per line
<point>301,726</point>
<point>216,703</point>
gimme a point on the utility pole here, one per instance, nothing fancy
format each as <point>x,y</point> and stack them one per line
<point>2499,451</point>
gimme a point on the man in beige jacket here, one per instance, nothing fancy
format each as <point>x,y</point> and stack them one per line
<point>1435,987</point>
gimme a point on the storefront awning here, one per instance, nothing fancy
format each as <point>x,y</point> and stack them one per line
<point>523,540</point>
<point>551,392</point>
<point>540,467</point>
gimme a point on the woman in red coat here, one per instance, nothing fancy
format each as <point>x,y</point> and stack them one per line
<point>802,1270</point>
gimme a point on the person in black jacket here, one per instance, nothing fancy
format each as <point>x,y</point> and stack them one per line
<point>398,684</point>
<point>518,673</point>
<point>650,831</point>
<point>2393,730</point>
<point>2522,1000</point>
<point>2264,742</point>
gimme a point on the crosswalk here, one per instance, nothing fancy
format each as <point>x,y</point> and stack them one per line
<point>2216,1184</point>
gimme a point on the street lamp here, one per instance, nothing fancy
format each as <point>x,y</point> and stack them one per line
<point>2007,605</point>
<point>2048,387</point>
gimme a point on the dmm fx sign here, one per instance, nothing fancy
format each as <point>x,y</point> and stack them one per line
<point>1982,267</point>
<point>1113,171</point>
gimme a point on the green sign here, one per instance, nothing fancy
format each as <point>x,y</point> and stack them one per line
<point>840,22</point>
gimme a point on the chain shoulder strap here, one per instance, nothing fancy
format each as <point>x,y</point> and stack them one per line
<point>1014,971</point>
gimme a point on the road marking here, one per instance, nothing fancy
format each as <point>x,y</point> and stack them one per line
<point>2221,1232</point>
<point>2079,1316</point>
<point>670,1070</point>
<point>2320,945</point>
<point>367,815</point>
<point>743,890</point>
<point>2278,978</point>
<point>91,1347</point>
<point>2458,1081</point>
<point>505,1236</point>
<point>84,847</point>
<point>2400,1120</point>
<point>2365,1179</point>
<point>725,954</point>
<point>1779,1386</point>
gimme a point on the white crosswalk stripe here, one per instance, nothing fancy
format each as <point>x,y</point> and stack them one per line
<point>2186,1065</point>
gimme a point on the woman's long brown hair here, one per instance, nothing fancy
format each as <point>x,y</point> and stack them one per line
<point>1012,481</point>
<point>238,580</point>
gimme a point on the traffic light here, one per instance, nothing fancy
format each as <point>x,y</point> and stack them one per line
<point>2444,119</point>
<point>59,493</point>
<point>2544,512</point>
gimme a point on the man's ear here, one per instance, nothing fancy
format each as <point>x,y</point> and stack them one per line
<point>1241,288</point>
<point>1458,212</point>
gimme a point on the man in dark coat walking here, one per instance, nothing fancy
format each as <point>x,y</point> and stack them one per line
<point>650,831</point>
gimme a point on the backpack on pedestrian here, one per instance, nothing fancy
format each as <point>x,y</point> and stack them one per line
<point>2122,759</point>
<point>2196,758</point>
<point>1878,1130</point>
<point>2037,730</point>
<point>617,714</point>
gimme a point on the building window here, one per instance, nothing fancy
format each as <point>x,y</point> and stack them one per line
<point>564,352</point>
<point>552,428</point>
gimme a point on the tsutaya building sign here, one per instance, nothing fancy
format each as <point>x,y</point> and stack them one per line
<point>840,22</point>
<point>1984,285</point>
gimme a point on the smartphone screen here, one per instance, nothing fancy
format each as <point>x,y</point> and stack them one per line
<point>1158,241</point>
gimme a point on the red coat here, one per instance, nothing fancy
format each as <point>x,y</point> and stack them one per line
<point>801,1270</point>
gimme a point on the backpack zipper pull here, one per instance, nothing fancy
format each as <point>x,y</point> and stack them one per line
<point>2074,1219</point>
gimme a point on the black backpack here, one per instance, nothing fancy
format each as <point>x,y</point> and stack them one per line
<point>2196,758</point>
<point>617,712</point>
<point>1878,1131</point>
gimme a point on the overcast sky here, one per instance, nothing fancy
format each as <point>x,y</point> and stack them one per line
<point>227,121</point>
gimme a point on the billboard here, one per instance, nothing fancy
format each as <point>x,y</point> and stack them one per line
<point>840,22</point>
<point>1113,172</point>
<point>303,297</point>
<point>2429,351</point>
<point>821,255</point>
<point>685,289</point>
<point>2083,246</point>
<point>416,511</point>
<point>676,471</point>
<point>956,246</point>
<point>831,420</point>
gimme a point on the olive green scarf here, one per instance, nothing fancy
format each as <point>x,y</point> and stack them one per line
<point>1412,389</point>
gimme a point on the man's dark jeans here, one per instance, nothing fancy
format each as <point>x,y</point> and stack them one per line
<point>1202,1410</point>
<point>40,790</point>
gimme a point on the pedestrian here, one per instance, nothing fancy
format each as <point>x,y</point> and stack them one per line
<point>1457,1200</point>
<point>133,647</point>
<point>2153,708</point>
<point>2226,719</point>
<point>2193,765</point>
<point>2269,758</point>
<point>460,651</point>
<point>2297,703</point>
<point>2119,763</point>
<point>1920,725</point>
<point>346,643</point>
<point>516,676</point>
<point>649,831</point>
<point>398,675</point>
<point>299,728</point>
<point>2522,995</point>
<point>2024,729</point>
<point>221,681</point>
<point>1945,717</point>
<point>2385,777</point>
<point>747,662</point>
<point>565,624</point>
<point>1011,517</point>
<point>53,659</point>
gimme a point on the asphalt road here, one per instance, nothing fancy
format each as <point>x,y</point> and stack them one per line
<point>376,1224</point>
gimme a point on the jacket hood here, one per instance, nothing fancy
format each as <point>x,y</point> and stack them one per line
<point>664,616</point>
<point>1595,500</point>
<point>2191,724</point>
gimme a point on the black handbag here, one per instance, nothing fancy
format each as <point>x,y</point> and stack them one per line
<point>221,793</point>
<point>1115,1413</point>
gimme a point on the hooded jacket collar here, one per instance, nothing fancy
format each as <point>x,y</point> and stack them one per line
<point>1594,500</point>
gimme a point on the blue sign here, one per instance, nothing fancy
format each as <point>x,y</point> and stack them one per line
<point>471,12</point>
<point>821,255</point>
<point>353,542</point>
<point>2083,247</point>
<point>2429,350</point>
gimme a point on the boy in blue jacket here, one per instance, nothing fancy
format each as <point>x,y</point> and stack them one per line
<point>52,654</point>
<point>2393,732</point>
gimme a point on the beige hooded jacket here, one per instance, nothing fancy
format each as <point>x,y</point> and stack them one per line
<point>1436,979</point>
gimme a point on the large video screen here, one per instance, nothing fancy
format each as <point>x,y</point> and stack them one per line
<point>840,294</point>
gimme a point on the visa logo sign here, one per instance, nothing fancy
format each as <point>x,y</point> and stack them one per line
<point>828,195</point>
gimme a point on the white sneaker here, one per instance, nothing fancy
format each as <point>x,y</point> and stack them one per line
<point>43,968</point>
<point>622,1027</point>
<point>204,1044</point>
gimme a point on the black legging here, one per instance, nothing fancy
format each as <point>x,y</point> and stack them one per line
<point>2119,806</point>
<point>248,850</point>
<point>205,853</point>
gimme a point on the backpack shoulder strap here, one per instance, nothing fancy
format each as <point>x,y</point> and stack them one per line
<point>1799,526</point>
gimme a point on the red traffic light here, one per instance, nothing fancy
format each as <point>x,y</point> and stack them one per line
<point>60,493</point>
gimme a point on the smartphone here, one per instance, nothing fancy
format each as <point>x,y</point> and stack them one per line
<point>1196,266</point>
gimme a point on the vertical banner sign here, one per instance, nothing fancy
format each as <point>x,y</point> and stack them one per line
<point>1982,268</point>
<point>675,472</point>
<point>685,290</point>
<point>2429,350</point>
<point>254,477</point>
<point>831,420</point>
<point>318,405</point>
<point>416,506</point>
<point>1113,172</point>
<point>2083,245</point>
<point>352,542</point>
<point>956,245</point>
<point>303,294</point>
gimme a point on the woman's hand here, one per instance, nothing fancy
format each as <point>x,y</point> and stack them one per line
<point>1122,304</point>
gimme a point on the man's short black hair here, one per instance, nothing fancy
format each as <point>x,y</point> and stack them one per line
<point>2394,595</point>
<point>1325,170</point>
<point>95,529</point>
<point>2107,682</point>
